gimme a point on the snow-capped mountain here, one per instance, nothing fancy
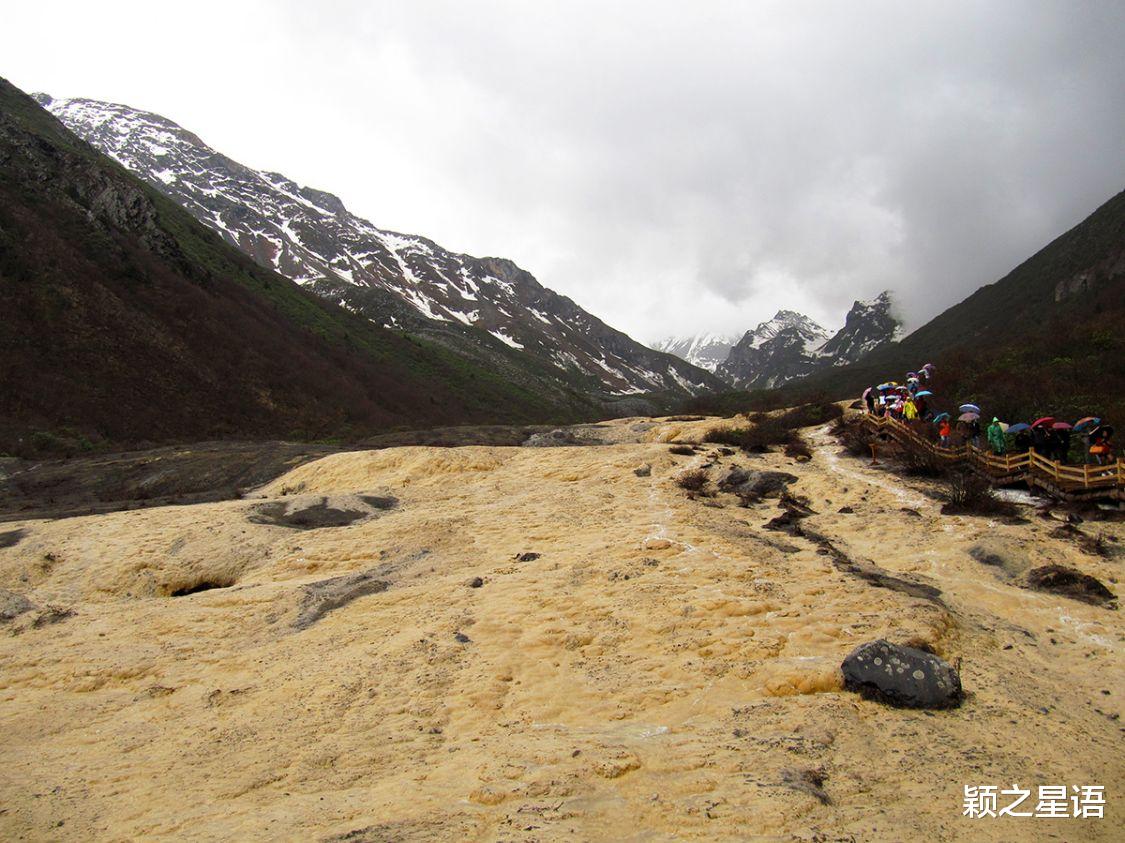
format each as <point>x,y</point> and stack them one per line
<point>792,346</point>
<point>396,280</point>
<point>778,350</point>
<point>869,324</point>
<point>707,351</point>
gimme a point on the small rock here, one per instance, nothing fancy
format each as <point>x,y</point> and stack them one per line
<point>461,638</point>
<point>643,470</point>
<point>912,512</point>
<point>527,557</point>
<point>845,510</point>
<point>901,676</point>
<point>476,582</point>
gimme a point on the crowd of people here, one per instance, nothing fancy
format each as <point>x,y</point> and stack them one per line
<point>914,404</point>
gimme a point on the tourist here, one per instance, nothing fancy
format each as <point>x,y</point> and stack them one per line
<point>996,437</point>
<point>944,431</point>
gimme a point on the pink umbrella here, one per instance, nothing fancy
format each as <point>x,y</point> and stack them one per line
<point>1060,426</point>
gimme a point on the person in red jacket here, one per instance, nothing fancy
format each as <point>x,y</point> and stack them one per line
<point>945,430</point>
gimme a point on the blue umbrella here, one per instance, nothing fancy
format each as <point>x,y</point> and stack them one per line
<point>925,393</point>
<point>969,408</point>
<point>940,416</point>
<point>1016,428</point>
<point>1089,421</point>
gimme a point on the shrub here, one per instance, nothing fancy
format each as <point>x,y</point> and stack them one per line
<point>693,480</point>
<point>919,461</point>
<point>970,494</point>
<point>852,435</point>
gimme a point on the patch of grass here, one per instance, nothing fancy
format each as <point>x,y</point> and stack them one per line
<point>763,433</point>
<point>806,415</point>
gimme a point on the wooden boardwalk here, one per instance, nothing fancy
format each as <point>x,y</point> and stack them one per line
<point>1065,481</point>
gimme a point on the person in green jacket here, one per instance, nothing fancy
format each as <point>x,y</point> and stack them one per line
<point>996,436</point>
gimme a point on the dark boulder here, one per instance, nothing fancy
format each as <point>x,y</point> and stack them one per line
<point>759,484</point>
<point>901,676</point>
<point>13,605</point>
<point>1070,582</point>
<point>10,538</point>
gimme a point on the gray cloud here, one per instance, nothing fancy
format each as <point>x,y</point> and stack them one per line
<point>672,167</point>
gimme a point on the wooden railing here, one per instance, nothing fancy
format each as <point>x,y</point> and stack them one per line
<point>1009,468</point>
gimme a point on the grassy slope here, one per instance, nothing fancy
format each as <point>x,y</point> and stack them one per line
<point>1010,344</point>
<point>139,323</point>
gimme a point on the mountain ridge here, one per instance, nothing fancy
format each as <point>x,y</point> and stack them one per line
<point>790,346</point>
<point>388,277</point>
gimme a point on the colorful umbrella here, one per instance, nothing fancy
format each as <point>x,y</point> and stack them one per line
<point>929,367</point>
<point>968,408</point>
<point>968,417</point>
<point>1016,428</point>
<point>1089,421</point>
<point>925,393</point>
<point>1044,420</point>
<point>940,416</point>
<point>1060,426</point>
<point>866,392</point>
<point>885,386</point>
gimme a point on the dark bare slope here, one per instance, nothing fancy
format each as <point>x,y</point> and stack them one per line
<point>1046,338</point>
<point>126,320</point>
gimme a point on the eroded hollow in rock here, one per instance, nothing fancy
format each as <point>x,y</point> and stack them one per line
<point>206,584</point>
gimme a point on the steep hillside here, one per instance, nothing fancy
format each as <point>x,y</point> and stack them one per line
<point>1045,338</point>
<point>476,306</point>
<point>126,319</point>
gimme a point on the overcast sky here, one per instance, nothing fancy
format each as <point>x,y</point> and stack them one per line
<point>673,167</point>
